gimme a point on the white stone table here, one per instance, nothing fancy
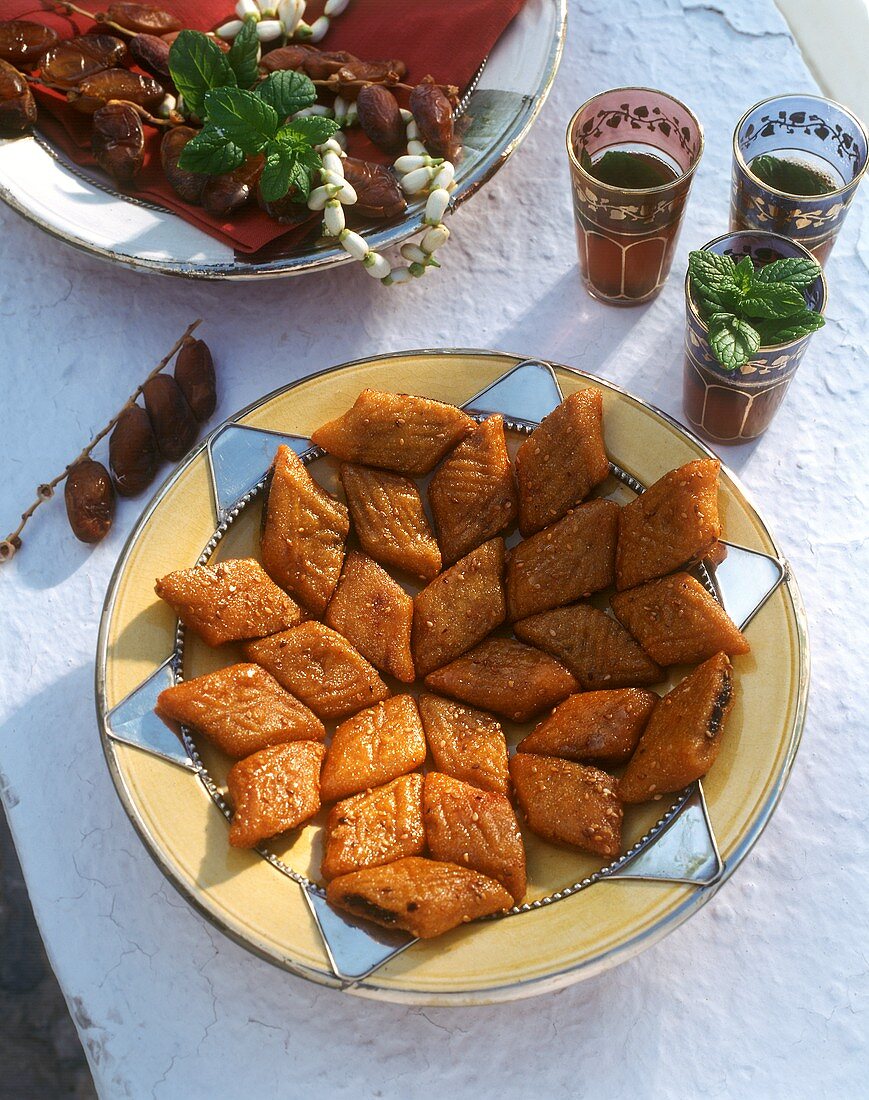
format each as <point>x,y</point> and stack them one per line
<point>765,993</point>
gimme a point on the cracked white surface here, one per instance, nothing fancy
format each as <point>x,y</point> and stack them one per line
<point>765,993</point>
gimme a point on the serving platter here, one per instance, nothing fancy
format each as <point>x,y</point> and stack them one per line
<point>579,917</point>
<point>81,207</point>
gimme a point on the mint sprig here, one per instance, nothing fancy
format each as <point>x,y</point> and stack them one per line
<point>746,309</point>
<point>242,118</point>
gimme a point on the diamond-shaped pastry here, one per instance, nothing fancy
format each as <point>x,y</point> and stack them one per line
<point>465,743</point>
<point>562,461</point>
<point>600,727</point>
<point>374,613</point>
<point>228,602</point>
<point>394,430</point>
<point>375,827</point>
<point>472,493</point>
<point>303,535</point>
<point>274,790</point>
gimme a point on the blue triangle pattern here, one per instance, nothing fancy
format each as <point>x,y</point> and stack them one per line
<point>528,392</point>
<point>354,950</point>
<point>134,722</point>
<point>745,580</point>
<point>684,852</point>
<point>239,457</point>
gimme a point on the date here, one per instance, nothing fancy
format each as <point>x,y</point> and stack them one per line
<point>22,43</point>
<point>171,417</point>
<point>69,63</point>
<point>187,185</point>
<point>17,105</point>
<point>222,195</point>
<point>97,90</point>
<point>133,453</point>
<point>293,56</point>
<point>151,54</point>
<point>433,114</point>
<point>378,192</point>
<point>194,373</point>
<point>144,19</point>
<point>380,117</point>
<point>118,141</point>
<point>90,500</point>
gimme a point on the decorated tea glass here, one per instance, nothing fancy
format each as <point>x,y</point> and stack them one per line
<point>626,236</point>
<point>737,406</point>
<point>815,133</point>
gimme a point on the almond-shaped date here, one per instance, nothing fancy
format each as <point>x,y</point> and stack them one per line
<point>433,115</point>
<point>222,195</point>
<point>97,90</point>
<point>17,105</point>
<point>22,43</point>
<point>194,373</point>
<point>133,454</point>
<point>377,190</point>
<point>69,63</point>
<point>144,19</point>
<point>118,141</point>
<point>90,500</point>
<point>292,56</point>
<point>380,117</point>
<point>187,185</point>
<point>151,54</point>
<point>172,418</point>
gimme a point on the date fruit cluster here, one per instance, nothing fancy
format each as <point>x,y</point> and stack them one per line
<point>166,428</point>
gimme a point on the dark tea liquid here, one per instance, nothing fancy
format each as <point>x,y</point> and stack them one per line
<point>800,174</point>
<point>629,267</point>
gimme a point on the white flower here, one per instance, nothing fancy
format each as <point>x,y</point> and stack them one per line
<point>290,14</point>
<point>416,148</point>
<point>413,252</point>
<point>319,197</point>
<point>333,218</point>
<point>319,28</point>
<point>412,130</point>
<point>230,29</point>
<point>444,176</point>
<point>434,238</point>
<point>416,181</point>
<point>268,30</point>
<point>335,7</point>
<point>354,244</point>
<point>436,206</point>
<point>332,164</point>
<point>244,8</point>
<point>376,265</point>
<point>410,164</point>
<point>400,275</point>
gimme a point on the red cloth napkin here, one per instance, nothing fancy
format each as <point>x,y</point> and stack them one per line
<point>447,40</point>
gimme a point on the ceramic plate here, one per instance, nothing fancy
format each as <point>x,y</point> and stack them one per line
<point>579,917</point>
<point>78,207</point>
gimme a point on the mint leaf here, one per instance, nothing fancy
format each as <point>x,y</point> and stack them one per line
<point>242,117</point>
<point>244,54</point>
<point>733,341</point>
<point>743,274</point>
<point>790,176</point>
<point>287,92</point>
<point>585,160</point>
<point>773,300</point>
<point>712,278</point>
<point>313,130</point>
<point>275,179</point>
<point>197,65</point>
<point>784,329</point>
<point>211,153</point>
<point>795,271</point>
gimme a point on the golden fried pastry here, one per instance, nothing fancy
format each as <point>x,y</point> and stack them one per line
<point>459,608</point>
<point>502,675</point>
<point>598,651</point>
<point>303,535</point>
<point>241,709</point>
<point>228,602</point>
<point>562,461</point>
<point>321,668</point>
<point>376,827</point>
<point>374,613</point>
<point>274,790</point>
<point>673,523</point>
<point>417,895</point>
<point>394,430</point>
<point>676,621</point>
<point>374,746</point>
<point>465,743</point>
<point>683,736</point>
<point>602,727</point>
<point>475,829</point>
<point>574,557</point>
<point>472,493</point>
<point>569,803</point>
<point>389,518</point>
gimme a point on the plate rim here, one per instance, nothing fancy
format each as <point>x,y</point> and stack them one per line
<point>287,268</point>
<point>509,990</point>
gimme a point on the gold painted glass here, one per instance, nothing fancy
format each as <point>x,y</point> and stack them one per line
<point>626,236</point>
